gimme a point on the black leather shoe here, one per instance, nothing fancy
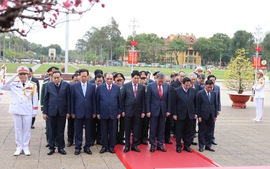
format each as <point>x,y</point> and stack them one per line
<point>69,144</point>
<point>121,142</point>
<point>200,149</point>
<point>194,143</point>
<point>161,148</point>
<point>88,151</point>
<point>126,149</point>
<point>135,148</point>
<point>103,150</point>
<point>187,149</point>
<point>77,152</point>
<point>111,150</point>
<point>62,151</point>
<point>210,149</point>
<point>178,149</point>
<point>32,127</point>
<point>144,142</point>
<point>168,142</point>
<point>214,143</point>
<point>50,152</point>
<point>47,145</point>
<point>152,149</point>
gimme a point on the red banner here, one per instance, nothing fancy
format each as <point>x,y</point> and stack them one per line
<point>256,61</point>
<point>134,56</point>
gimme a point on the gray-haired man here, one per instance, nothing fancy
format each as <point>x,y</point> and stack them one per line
<point>158,99</point>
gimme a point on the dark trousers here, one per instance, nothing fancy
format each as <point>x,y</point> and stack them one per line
<point>70,129</point>
<point>213,135</point>
<point>48,133</point>
<point>193,135</point>
<point>33,120</point>
<point>132,123</point>
<point>183,132</point>
<point>121,129</point>
<point>157,129</point>
<point>144,128</point>
<point>108,132</point>
<point>205,132</point>
<point>96,130</point>
<point>57,127</point>
<point>168,127</point>
<point>79,123</point>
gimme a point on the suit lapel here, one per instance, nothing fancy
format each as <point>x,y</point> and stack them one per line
<point>106,90</point>
<point>54,88</point>
<point>80,89</point>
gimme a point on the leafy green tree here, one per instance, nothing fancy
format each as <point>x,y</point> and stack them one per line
<point>150,47</point>
<point>202,45</point>
<point>266,47</point>
<point>178,45</point>
<point>243,39</point>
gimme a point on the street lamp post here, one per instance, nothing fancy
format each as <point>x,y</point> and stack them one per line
<point>134,25</point>
<point>257,37</point>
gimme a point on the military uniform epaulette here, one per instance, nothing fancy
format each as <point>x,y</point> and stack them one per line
<point>45,81</point>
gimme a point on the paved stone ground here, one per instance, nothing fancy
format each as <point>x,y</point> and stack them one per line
<point>241,142</point>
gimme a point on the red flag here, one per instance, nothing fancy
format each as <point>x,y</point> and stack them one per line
<point>134,43</point>
<point>258,49</point>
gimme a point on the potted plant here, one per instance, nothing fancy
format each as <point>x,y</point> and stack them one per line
<point>239,77</point>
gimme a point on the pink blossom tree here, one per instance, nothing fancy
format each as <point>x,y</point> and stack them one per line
<point>24,15</point>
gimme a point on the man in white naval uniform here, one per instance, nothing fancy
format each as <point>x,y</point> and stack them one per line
<point>259,95</point>
<point>23,106</point>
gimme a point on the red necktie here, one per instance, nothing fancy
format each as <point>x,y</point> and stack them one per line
<point>109,88</point>
<point>135,90</point>
<point>159,91</point>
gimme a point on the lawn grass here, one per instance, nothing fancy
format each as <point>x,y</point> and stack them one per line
<point>44,67</point>
<point>11,68</point>
<point>127,70</point>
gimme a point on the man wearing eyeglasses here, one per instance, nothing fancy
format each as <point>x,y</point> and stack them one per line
<point>109,109</point>
<point>23,106</point>
<point>145,121</point>
<point>119,79</point>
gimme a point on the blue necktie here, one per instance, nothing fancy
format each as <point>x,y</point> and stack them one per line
<point>84,89</point>
<point>209,96</point>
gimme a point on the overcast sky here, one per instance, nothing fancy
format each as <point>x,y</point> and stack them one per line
<point>203,18</point>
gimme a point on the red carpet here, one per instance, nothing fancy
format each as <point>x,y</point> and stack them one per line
<point>170,159</point>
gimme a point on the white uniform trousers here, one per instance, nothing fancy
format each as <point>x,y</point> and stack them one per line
<point>259,108</point>
<point>22,124</point>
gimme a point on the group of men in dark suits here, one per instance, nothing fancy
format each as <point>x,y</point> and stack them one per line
<point>98,105</point>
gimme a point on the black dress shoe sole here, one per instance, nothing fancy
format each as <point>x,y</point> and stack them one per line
<point>88,152</point>
<point>137,150</point>
<point>162,149</point>
<point>51,152</point>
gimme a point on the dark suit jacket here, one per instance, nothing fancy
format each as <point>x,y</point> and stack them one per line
<point>33,79</point>
<point>133,106</point>
<point>54,101</point>
<point>176,84</point>
<point>108,103</point>
<point>217,90</point>
<point>155,104</point>
<point>184,104</point>
<point>83,106</point>
<point>204,108</point>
